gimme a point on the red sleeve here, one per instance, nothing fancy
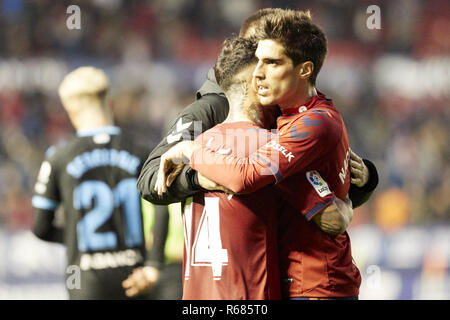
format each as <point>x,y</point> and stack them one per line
<point>241,175</point>
<point>299,143</point>
<point>315,193</point>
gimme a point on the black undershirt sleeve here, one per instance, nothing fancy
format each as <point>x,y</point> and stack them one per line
<point>359,195</point>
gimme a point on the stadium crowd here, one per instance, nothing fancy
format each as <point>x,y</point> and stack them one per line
<point>390,84</point>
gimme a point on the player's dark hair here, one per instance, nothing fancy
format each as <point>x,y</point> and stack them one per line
<point>302,39</point>
<point>236,54</point>
<point>254,20</point>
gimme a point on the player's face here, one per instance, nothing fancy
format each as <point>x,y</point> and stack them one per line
<point>275,78</point>
<point>263,117</point>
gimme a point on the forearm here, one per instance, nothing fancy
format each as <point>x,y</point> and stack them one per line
<point>359,195</point>
<point>155,256</point>
<point>45,230</point>
<point>238,175</point>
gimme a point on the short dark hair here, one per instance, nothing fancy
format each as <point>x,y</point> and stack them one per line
<point>302,39</point>
<point>254,20</point>
<point>236,54</point>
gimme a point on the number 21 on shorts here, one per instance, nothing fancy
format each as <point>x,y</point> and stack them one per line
<point>206,248</point>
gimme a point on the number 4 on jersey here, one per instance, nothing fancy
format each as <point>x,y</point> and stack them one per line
<point>207,246</point>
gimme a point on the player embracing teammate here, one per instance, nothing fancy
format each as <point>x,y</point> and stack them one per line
<point>308,160</point>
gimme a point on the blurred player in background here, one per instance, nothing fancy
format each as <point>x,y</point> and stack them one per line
<point>93,178</point>
<point>166,255</point>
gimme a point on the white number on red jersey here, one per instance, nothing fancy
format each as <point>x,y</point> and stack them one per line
<point>207,245</point>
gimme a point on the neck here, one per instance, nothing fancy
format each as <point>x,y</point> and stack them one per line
<point>244,109</point>
<point>91,118</point>
<point>301,97</point>
<point>237,112</point>
<point>85,122</point>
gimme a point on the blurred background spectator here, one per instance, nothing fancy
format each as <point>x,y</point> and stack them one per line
<point>392,86</point>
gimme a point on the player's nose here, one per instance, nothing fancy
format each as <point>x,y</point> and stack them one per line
<point>258,73</point>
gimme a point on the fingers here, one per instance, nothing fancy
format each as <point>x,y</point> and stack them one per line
<point>356,165</point>
<point>131,292</point>
<point>160,186</point>
<point>357,174</point>
<point>142,279</point>
<point>171,177</point>
<point>354,156</point>
<point>357,181</point>
<point>131,284</point>
<point>164,166</point>
<point>359,171</point>
<point>174,160</point>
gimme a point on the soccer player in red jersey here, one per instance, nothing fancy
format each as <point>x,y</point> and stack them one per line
<point>231,241</point>
<point>311,145</point>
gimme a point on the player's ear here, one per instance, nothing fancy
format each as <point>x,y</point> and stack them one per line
<point>306,69</point>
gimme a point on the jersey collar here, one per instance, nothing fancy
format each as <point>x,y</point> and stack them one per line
<point>313,101</point>
<point>91,132</point>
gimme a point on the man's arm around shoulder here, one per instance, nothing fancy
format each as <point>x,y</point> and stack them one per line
<point>196,118</point>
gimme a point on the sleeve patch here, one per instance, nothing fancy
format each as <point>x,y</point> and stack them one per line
<point>318,183</point>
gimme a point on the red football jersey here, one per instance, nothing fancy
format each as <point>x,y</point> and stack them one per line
<point>312,146</point>
<point>231,241</point>
<point>311,139</point>
<point>313,263</point>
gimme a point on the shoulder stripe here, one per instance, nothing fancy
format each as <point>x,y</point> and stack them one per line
<point>274,170</point>
<point>307,122</point>
<point>44,203</point>
<point>295,135</point>
<point>321,112</point>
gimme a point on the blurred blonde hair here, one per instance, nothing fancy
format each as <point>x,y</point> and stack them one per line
<point>84,82</point>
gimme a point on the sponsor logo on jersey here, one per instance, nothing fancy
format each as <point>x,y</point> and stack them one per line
<point>318,183</point>
<point>285,152</point>
<point>178,132</point>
